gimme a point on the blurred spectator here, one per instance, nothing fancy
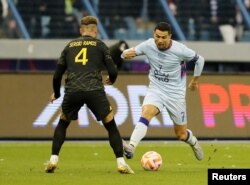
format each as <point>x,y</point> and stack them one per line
<point>239,27</point>
<point>3,9</point>
<point>64,18</point>
<point>226,19</point>
<point>40,10</point>
<point>247,4</point>
<point>130,19</point>
<point>71,23</point>
<point>172,6</point>
<point>3,15</point>
<point>52,19</point>
<point>112,14</point>
<point>56,11</point>
<point>8,27</point>
<point>213,21</point>
<point>31,13</point>
<point>191,16</point>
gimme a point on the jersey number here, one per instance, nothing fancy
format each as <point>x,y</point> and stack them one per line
<point>82,56</point>
<point>182,116</point>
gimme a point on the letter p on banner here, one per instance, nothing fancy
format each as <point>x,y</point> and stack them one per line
<point>232,176</point>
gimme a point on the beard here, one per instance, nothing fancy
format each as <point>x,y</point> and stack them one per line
<point>162,47</point>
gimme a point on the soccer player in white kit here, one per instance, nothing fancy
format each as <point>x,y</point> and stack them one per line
<point>167,88</point>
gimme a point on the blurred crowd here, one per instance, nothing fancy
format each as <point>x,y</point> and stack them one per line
<point>203,20</point>
<point>7,23</point>
<point>212,20</point>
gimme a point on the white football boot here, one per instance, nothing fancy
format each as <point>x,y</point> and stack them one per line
<point>128,150</point>
<point>198,152</point>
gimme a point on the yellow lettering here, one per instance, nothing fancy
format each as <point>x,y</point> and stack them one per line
<point>89,43</point>
<point>75,44</point>
<point>80,43</point>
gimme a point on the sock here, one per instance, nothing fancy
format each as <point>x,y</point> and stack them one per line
<point>115,140</point>
<point>190,138</point>
<point>139,132</point>
<point>120,161</point>
<point>54,159</point>
<point>59,136</point>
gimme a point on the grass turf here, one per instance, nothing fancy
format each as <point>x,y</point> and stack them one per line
<point>94,163</point>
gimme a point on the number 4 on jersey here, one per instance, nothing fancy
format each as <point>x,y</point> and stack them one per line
<point>82,56</point>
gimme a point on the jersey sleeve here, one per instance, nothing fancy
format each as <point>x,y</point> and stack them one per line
<point>60,69</point>
<point>62,59</point>
<point>193,60</point>
<point>140,49</point>
<point>188,54</point>
<point>109,63</point>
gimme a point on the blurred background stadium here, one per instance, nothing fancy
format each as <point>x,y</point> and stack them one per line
<point>33,33</point>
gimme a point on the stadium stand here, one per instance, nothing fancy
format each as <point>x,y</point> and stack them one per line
<point>207,20</point>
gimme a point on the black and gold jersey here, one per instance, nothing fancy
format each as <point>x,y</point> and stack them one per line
<point>83,59</point>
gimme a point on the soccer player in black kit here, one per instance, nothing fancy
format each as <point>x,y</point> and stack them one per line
<point>84,58</point>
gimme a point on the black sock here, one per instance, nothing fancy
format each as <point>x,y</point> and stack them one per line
<point>115,140</point>
<point>59,136</point>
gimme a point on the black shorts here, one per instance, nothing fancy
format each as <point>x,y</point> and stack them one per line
<point>96,101</point>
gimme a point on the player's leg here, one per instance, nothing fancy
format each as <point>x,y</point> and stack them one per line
<point>177,112</point>
<point>140,130</point>
<point>152,105</point>
<point>70,107</point>
<point>58,140</point>
<point>187,136</point>
<point>99,105</point>
<point>116,143</point>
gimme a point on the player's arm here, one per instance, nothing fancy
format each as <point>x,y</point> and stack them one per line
<point>193,61</point>
<point>198,67</point>
<point>135,51</point>
<point>110,66</point>
<point>57,78</point>
<point>128,53</point>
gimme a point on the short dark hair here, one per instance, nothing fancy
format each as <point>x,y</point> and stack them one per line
<point>163,26</point>
<point>88,20</point>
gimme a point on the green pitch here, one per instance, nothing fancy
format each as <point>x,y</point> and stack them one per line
<point>84,163</point>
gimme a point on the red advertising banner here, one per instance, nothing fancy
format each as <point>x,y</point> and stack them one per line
<point>219,109</point>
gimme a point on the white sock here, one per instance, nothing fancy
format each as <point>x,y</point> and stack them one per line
<point>191,139</point>
<point>54,159</point>
<point>120,161</point>
<point>138,134</point>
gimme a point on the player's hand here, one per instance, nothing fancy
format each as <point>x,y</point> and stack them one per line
<point>108,82</point>
<point>52,98</point>
<point>129,53</point>
<point>193,85</point>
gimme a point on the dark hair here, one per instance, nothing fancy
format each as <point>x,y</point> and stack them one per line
<point>163,26</point>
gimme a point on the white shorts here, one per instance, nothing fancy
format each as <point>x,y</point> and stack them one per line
<point>176,107</point>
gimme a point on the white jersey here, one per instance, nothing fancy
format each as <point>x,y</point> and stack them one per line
<point>166,72</point>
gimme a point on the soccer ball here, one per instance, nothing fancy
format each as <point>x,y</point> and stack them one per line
<point>151,161</point>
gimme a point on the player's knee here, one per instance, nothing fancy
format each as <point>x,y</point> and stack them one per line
<point>108,118</point>
<point>64,118</point>
<point>149,111</point>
